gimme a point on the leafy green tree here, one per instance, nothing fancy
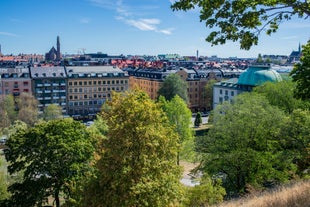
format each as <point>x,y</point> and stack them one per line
<point>243,20</point>
<point>301,74</point>
<point>180,117</point>
<point>243,145</point>
<point>173,85</point>
<point>8,114</point>
<point>27,109</point>
<point>52,156</point>
<point>208,94</point>
<point>3,183</point>
<point>281,94</point>
<point>296,138</point>
<point>138,164</point>
<point>198,120</point>
<point>208,192</point>
<point>51,112</point>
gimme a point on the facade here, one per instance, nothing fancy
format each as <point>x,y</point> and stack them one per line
<point>254,76</point>
<point>14,81</point>
<point>151,79</point>
<point>49,86</point>
<point>90,86</point>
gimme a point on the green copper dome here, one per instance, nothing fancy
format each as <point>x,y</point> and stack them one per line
<point>257,75</point>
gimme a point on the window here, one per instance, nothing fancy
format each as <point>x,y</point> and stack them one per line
<point>70,83</point>
<point>75,83</point>
<point>26,83</point>
<point>232,93</point>
<point>221,99</point>
<point>85,83</point>
<point>226,92</point>
<point>221,92</point>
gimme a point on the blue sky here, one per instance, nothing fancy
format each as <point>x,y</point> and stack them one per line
<point>136,27</point>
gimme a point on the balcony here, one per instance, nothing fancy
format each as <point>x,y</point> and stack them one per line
<point>55,84</point>
<point>55,97</point>
<point>47,91</point>
<point>47,98</point>
<point>63,104</point>
<point>40,98</point>
<point>63,84</point>
<point>47,84</point>
<point>63,97</point>
<point>56,91</point>
<point>39,91</point>
<point>62,91</point>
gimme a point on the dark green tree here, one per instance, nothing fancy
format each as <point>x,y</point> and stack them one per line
<point>173,85</point>
<point>243,20</point>
<point>208,94</point>
<point>243,145</point>
<point>138,161</point>
<point>296,139</point>
<point>198,120</point>
<point>301,74</point>
<point>281,94</point>
<point>52,156</point>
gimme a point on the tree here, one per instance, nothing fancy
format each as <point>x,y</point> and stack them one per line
<point>243,145</point>
<point>198,119</point>
<point>301,74</point>
<point>180,117</point>
<point>138,164</point>
<point>280,94</point>
<point>208,94</point>
<point>8,113</point>
<point>51,112</point>
<point>173,85</point>
<point>27,109</point>
<point>296,138</point>
<point>243,20</point>
<point>52,155</point>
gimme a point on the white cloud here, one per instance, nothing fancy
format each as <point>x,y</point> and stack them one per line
<point>8,34</point>
<point>84,20</point>
<point>125,14</point>
<point>289,37</point>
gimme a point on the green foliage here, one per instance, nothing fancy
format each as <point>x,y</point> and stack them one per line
<point>173,85</point>
<point>51,112</point>
<point>296,138</point>
<point>209,192</point>
<point>198,120</point>
<point>138,162</point>
<point>3,182</point>
<point>27,109</point>
<point>243,145</point>
<point>52,156</point>
<point>301,74</point>
<point>8,113</point>
<point>280,94</point>
<point>243,20</point>
<point>208,93</point>
<point>179,116</point>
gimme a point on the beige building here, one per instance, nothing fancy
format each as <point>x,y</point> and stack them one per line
<point>88,87</point>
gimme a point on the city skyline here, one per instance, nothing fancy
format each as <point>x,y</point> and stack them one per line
<point>148,27</point>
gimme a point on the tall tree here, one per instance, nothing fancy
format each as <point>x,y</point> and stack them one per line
<point>138,165</point>
<point>27,109</point>
<point>51,156</point>
<point>180,117</point>
<point>281,94</point>
<point>243,144</point>
<point>243,20</point>
<point>208,94</point>
<point>173,85</point>
<point>301,74</point>
<point>8,113</point>
<point>51,112</point>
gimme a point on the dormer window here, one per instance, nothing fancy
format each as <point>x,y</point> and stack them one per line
<point>54,74</point>
<point>44,74</point>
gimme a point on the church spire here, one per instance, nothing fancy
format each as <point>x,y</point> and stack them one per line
<point>299,48</point>
<point>58,49</point>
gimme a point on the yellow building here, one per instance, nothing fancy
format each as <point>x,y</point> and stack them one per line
<point>90,86</point>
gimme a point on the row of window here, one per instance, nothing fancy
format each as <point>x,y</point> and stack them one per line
<point>25,83</point>
<point>99,89</point>
<point>232,93</point>
<point>86,103</point>
<point>87,96</point>
<point>94,82</point>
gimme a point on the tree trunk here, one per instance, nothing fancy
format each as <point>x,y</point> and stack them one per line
<point>57,198</point>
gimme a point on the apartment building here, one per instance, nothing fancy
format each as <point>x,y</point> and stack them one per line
<point>14,81</point>
<point>150,80</point>
<point>90,86</point>
<point>49,86</point>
